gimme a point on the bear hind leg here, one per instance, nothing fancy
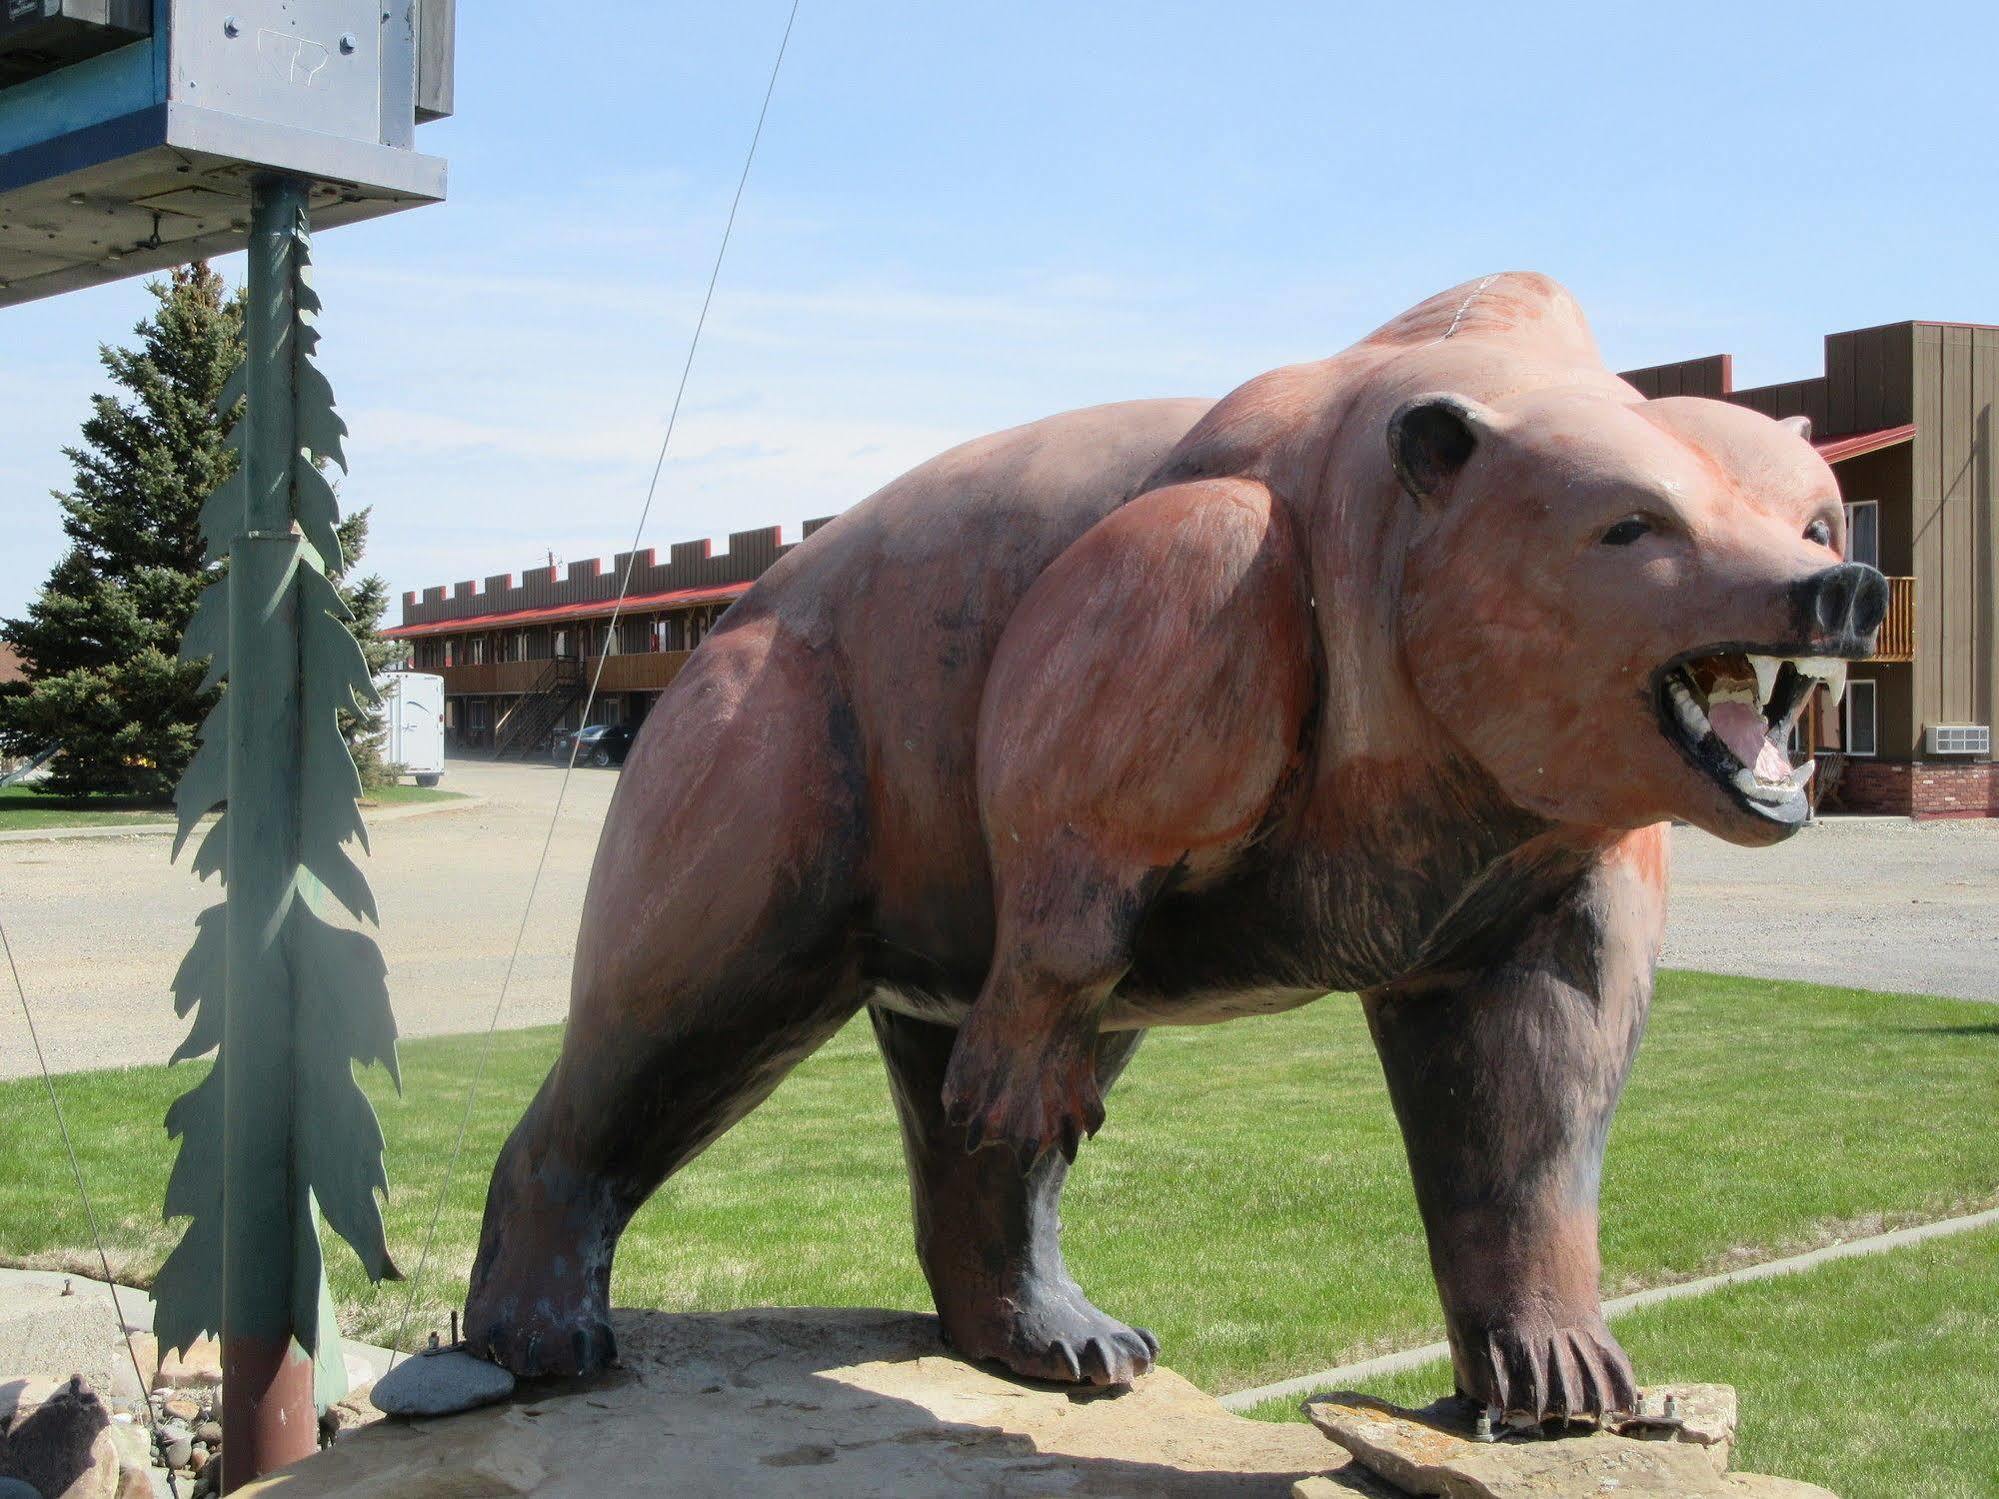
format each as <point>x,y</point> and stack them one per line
<point>609,1125</point>
<point>988,1228</point>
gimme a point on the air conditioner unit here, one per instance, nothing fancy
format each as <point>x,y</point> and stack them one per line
<point>1958,739</point>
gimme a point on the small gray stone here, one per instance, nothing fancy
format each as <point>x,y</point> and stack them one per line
<point>176,1448</point>
<point>209,1432</point>
<point>439,1384</point>
<point>13,1488</point>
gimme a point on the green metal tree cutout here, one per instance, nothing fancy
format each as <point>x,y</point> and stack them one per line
<point>290,1000</point>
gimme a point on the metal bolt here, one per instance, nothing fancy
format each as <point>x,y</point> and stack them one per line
<point>231,26</point>
<point>348,43</point>
<point>1488,1420</point>
<point>433,1342</point>
<point>1672,1407</point>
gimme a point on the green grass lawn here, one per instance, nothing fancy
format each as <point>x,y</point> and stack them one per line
<point>1874,1377</point>
<point>1248,1198</point>
<point>23,808</point>
<point>400,795</point>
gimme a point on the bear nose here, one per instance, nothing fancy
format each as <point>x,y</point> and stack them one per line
<point>1845,604</point>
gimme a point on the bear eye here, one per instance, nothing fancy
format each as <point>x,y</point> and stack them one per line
<point>1818,533</point>
<point>1627,531</point>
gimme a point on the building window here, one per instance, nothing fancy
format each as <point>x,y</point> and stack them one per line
<point>1863,532</point>
<point>1860,717</point>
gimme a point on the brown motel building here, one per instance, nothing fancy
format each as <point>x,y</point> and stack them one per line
<point>1904,414</point>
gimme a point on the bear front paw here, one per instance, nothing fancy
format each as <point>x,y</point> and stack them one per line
<point>1537,1367</point>
<point>1032,1098</point>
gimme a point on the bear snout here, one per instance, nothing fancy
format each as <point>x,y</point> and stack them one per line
<point>1842,607</point>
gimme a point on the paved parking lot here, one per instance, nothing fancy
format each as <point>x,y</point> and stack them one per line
<point>99,925</point>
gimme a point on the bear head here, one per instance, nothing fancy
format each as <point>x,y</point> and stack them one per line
<point>1619,607</point>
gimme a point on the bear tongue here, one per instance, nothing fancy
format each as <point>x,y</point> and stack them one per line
<point>1743,729</point>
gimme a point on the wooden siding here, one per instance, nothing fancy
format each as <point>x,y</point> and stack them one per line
<point>1956,382</point>
<point>1792,398</point>
<point>1867,378</point>
<point>1711,376</point>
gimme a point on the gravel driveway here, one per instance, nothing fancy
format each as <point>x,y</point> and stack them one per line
<point>99,925</point>
<point>1873,903</point>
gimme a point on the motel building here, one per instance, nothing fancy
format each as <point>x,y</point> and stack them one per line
<point>1903,413</point>
<point>518,658</point>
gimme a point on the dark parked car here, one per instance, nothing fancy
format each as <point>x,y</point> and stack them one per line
<point>596,744</point>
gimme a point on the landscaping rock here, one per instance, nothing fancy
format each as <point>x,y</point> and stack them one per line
<point>1433,1452</point>
<point>176,1447</point>
<point>57,1438</point>
<point>441,1383</point>
<point>825,1403</point>
<point>200,1368</point>
<point>13,1488</point>
<point>209,1432</point>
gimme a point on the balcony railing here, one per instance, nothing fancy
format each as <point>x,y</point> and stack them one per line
<point>1897,641</point>
<point>640,671</point>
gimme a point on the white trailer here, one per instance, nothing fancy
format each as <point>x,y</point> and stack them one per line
<point>413,723</point>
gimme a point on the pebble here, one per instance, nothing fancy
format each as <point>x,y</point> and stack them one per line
<point>438,1384</point>
<point>13,1488</point>
<point>176,1447</point>
<point>209,1432</point>
<point>181,1408</point>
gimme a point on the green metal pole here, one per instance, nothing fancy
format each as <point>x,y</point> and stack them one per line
<point>267,1378</point>
<point>278,1133</point>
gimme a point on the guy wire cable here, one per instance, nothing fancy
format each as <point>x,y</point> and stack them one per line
<point>617,609</point>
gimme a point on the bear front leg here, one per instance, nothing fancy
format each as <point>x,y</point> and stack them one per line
<point>1505,1082</point>
<point>1143,710</point>
<point>1024,1070</point>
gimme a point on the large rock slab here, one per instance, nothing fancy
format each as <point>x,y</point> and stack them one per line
<point>820,1403</point>
<point>1434,1452</point>
<point>56,1325</point>
<point>57,1439</point>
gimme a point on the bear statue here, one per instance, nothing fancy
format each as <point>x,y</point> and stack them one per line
<point>1383,674</point>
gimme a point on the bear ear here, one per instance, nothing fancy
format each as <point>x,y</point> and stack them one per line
<point>1430,438</point>
<point>1802,425</point>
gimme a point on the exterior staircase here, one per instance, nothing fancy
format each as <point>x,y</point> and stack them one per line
<point>525,728</point>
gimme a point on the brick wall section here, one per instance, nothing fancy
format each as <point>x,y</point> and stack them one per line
<point>1922,789</point>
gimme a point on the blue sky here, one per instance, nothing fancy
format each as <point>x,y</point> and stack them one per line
<point>964,217</point>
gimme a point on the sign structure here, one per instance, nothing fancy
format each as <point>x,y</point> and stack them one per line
<point>131,131</point>
<point>137,135</point>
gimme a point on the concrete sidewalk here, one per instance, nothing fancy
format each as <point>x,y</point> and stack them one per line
<point>54,1324</point>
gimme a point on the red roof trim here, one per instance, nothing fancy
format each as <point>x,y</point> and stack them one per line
<point>595,609</point>
<point>1833,449</point>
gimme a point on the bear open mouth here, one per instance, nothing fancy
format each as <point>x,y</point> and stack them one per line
<point>1731,712</point>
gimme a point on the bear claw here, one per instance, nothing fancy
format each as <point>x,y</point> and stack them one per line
<point>1033,1101</point>
<point>1546,1372</point>
<point>1049,1331</point>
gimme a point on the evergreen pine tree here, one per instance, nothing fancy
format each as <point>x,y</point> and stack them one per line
<point>98,644</point>
<point>367,598</point>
